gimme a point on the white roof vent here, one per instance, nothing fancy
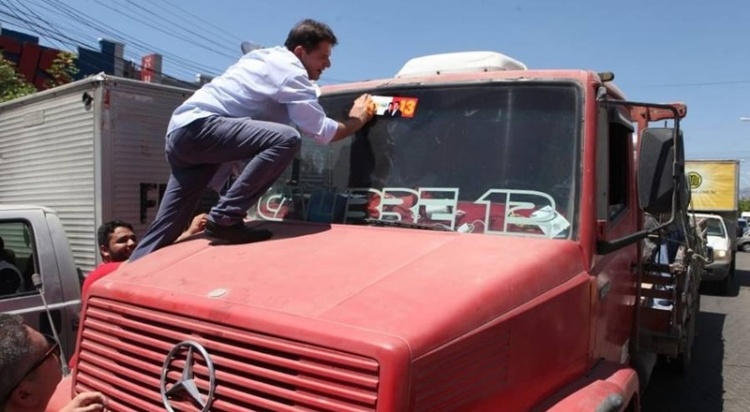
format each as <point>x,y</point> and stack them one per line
<point>462,62</point>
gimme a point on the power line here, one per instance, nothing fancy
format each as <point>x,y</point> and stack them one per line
<point>29,19</point>
<point>50,39</point>
<point>200,20</point>
<point>77,21</point>
<point>15,19</point>
<point>73,42</point>
<point>148,22</point>
<point>189,29</point>
<point>78,18</point>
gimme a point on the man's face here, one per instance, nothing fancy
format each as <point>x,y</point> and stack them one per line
<point>122,242</point>
<point>42,373</point>
<point>395,106</point>
<point>316,60</point>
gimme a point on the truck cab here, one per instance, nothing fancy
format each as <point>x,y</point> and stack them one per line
<point>479,251</point>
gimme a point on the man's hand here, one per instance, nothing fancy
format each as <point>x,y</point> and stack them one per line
<point>363,108</point>
<point>86,402</point>
<point>361,112</point>
<point>198,224</point>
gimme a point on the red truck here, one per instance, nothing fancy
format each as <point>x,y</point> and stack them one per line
<point>485,249</point>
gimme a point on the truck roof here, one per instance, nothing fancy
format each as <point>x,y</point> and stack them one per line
<point>583,77</point>
<point>84,84</point>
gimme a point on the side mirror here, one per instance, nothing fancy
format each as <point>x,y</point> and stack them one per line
<point>656,163</point>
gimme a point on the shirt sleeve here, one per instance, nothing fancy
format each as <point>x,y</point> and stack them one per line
<point>298,94</point>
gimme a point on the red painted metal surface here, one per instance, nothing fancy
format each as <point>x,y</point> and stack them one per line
<point>337,317</point>
<point>387,297</point>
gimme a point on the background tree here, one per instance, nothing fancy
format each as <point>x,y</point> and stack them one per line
<point>62,70</point>
<point>13,84</point>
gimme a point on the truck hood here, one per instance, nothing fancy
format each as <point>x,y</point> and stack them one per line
<point>413,284</point>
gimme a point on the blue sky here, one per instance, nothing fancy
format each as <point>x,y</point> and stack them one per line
<point>659,50</point>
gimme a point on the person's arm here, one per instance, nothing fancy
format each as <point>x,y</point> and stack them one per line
<point>361,112</point>
<point>197,225</point>
<point>298,95</point>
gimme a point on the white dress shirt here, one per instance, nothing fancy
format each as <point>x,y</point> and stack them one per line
<point>265,84</point>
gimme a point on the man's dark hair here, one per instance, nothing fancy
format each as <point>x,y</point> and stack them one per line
<point>15,350</point>
<point>309,34</point>
<point>107,228</point>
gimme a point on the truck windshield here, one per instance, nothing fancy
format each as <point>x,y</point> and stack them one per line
<point>486,158</point>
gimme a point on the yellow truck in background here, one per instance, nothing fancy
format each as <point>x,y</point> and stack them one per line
<point>714,191</point>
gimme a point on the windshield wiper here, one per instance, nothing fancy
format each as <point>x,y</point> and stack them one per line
<point>409,225</point>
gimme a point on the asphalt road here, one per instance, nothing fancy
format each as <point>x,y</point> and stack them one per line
<point>719,378</point>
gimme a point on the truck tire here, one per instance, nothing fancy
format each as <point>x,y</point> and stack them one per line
<point>726,285</point>
<point>682,363</point>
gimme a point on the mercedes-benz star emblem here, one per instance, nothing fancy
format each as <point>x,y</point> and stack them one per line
<point>185,386</point>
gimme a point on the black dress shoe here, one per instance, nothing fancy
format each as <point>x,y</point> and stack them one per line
<point>235,234</point>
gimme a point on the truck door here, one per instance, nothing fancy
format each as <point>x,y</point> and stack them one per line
<point>617,217</point>
<point>27,249</point>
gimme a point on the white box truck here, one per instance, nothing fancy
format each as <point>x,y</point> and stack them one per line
<point>92,150</point>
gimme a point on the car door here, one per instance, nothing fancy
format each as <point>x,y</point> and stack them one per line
<point>27,248</point>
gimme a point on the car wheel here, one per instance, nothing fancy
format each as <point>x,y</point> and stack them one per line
<point>745,247</point>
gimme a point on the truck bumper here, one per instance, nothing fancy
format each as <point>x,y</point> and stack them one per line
<point>608,387</point>
<point>716,271</point>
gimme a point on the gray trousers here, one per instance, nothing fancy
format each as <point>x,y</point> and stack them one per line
<point>195,153</point>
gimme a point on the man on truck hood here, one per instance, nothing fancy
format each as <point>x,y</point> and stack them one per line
<point>244,114</point>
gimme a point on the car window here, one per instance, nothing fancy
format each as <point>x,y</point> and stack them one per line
<point>16,259</point>
<point>714,227</point>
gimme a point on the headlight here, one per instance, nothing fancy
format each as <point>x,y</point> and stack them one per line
<point>720,253</point>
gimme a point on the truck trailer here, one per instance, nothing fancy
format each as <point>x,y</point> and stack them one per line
<point>92,150</point>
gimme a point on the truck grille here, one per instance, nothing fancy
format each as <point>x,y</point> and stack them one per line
<point>123,348</point>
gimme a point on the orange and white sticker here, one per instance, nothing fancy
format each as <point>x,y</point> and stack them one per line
<point>389,106</point>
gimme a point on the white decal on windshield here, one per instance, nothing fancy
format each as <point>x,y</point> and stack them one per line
<point>437,205</point>
<point>514,209</point>
<point>390,106</point>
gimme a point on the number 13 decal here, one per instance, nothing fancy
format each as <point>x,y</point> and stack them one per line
<point>407,105</point>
